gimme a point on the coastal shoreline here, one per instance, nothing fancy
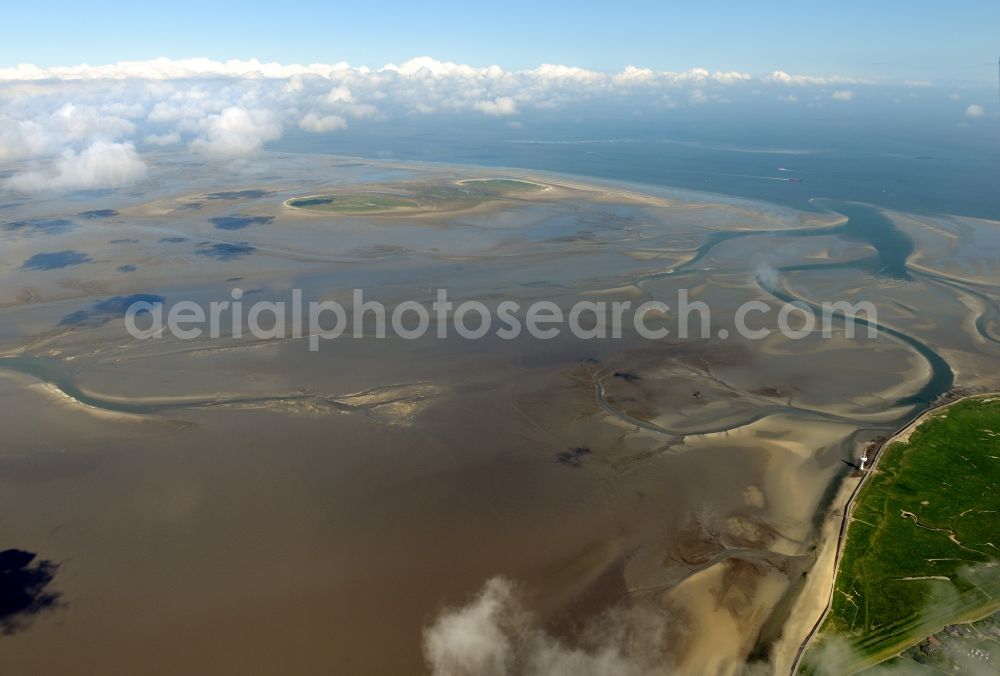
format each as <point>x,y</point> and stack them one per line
<point>823,577</point>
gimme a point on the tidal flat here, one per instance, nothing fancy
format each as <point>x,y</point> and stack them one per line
<point>241,505</point>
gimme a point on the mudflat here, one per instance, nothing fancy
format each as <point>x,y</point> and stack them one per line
<point>253,505</point>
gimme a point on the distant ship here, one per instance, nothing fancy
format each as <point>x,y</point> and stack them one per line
<point>795,179</point>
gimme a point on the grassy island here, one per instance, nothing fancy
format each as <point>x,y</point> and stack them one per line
<point>425,198</point>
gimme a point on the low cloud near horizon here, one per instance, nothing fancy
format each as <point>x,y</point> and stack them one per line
<point>87,126</point>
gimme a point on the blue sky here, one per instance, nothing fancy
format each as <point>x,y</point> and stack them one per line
<point>949,42</point>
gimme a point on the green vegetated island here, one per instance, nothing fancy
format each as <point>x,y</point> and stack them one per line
<point>424,198</point>
<point>921,550</point>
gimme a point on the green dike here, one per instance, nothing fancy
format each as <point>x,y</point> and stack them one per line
<point>922,546</point>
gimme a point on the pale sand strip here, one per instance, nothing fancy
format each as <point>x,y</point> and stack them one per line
<point>812,600</point>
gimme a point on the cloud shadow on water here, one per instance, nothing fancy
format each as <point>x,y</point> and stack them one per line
<point>573,457</point>
<point>108,309</point>
<point>55,259</point>
<point>237,194</point>
<point>226,251</point>
<point>24,588</point>
<point>41,226</point>
<point>239,222</point>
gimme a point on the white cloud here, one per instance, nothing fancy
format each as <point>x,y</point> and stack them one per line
<point>693,76</point>
<point>232,108</point>
<point>427,67</point>
<point>502,105</point>
<point>416,70</point>
<point>340,94</point>
<point>318,125</point>
<point>975,110</point>
<point>475,639</point>
<point>76,122</point>
<point>100,165</point>
<point>168,139</point>
<point>236,132</point>
<point>634,74</point>
<point>700,75</point>
<point>731,77</point>
<point>548,71</point>
<point>23,139</point>
<point>494,635</point>
<point>781,77</point>
<point>167,69</point>
<point>842,95</point>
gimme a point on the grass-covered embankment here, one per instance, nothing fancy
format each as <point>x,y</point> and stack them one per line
<point>922,545</point>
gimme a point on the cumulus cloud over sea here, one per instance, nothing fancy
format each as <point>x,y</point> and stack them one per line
<point>495,635</point>
<point>79,127</point>
<point>101,164</point>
